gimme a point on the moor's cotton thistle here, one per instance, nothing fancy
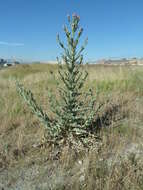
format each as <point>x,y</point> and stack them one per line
<point>75,112</point>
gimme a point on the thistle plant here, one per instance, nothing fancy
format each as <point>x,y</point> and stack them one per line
<point>75,110</point>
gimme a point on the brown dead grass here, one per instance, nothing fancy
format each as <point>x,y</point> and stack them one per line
<point>109,165</point>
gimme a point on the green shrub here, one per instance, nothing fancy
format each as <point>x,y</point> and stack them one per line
<point>74,112</point>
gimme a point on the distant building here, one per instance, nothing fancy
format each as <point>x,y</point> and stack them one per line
<point>123,61</point>
<point>8,62</point>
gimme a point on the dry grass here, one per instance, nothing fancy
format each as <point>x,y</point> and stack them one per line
<point>115,162</point>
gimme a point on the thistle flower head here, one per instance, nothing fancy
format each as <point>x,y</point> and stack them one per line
<point>75,16</point>
<point>75,22</point>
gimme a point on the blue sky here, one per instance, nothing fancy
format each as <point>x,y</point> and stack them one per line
<point>28,28</point>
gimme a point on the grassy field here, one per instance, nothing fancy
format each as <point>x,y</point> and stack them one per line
<point>116,163</point>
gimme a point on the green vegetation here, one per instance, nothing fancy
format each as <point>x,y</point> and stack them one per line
<point>73,118</point>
